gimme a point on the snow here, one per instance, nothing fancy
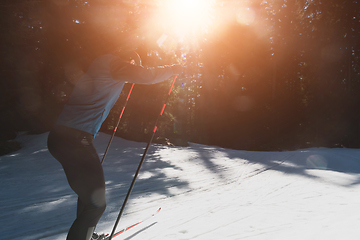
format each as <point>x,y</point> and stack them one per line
<point>205,192</point>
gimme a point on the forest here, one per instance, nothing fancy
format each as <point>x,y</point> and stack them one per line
<point>264,75</point>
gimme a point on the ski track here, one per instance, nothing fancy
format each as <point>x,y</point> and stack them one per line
<point>205,192</point>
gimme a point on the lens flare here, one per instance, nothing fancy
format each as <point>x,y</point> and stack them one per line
<point>316,161</point>
<point>245,16</point>
<point>162,39</point>
<point>167,43</point>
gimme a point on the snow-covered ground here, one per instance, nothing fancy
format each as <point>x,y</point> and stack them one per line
<point>205,192</point>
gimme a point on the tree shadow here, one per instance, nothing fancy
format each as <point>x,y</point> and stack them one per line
<point>121,164</point>
<point>301,162</point>
<point>36,193</point>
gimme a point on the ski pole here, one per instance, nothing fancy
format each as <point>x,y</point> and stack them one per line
<point>117,125</point>
<point>140,164</point>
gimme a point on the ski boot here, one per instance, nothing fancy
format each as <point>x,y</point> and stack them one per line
<point>97,236</point>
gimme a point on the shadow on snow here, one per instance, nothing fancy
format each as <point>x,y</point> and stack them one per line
<point>35,188</point>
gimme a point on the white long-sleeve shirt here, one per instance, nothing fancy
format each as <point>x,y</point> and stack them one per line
<point>97,91</point>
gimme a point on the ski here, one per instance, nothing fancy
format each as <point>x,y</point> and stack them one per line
<point>107,236</point>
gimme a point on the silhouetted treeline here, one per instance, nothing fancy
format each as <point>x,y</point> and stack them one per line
<point>269,75</point>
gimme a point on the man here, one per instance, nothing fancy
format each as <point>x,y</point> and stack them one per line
<point>70,141</point>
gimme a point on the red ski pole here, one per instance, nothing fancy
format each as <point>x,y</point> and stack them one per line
<point>140,164</point>
<point>117,125</point>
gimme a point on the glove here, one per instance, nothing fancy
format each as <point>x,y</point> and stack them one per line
<point>177,69</point>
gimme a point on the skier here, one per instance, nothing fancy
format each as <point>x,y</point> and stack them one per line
<point>71,139</point>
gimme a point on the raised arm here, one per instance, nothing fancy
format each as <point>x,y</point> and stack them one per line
<point>124,71</point>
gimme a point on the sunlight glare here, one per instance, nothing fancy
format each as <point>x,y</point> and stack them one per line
<point>187,16</point>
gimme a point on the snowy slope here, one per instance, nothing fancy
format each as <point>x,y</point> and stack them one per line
<point>205,192</point>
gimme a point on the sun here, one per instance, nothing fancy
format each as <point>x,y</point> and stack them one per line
<point>184,17</point>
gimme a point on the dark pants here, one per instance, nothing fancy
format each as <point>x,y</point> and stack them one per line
<point>76,153</point>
